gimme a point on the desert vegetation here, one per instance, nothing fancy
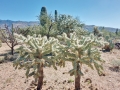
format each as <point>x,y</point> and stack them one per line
<point>57,43</point>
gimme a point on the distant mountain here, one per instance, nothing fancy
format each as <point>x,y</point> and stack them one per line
<point>23,24</point>
<point>20,24</point>
<point>90,28</point>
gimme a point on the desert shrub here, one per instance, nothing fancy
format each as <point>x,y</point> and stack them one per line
<point>1,37</point>
<point>10,57</point>
<point>110,45</point>
<point>111,35</point>
<point>25,31</point>
<point>115,65</point>
<point>2,59</point>
<point>81,32</point>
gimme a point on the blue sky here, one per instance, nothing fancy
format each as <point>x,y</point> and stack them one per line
<point>91,12</point>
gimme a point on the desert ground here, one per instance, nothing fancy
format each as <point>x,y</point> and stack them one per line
<point>11,79</point>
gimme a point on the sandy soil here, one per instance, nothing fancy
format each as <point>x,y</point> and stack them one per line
<point>11,79</point>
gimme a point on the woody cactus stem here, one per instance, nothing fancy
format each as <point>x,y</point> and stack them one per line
<point>77,79</point>
<point>40,78</point>
<point>12,44</point>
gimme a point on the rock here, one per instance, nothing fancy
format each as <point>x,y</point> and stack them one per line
<point>64,81</point>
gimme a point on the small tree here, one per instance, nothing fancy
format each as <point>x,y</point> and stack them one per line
<point>25,31</point>
<point>34,54</point>
<point>79,52</point>
<point>9,38</point>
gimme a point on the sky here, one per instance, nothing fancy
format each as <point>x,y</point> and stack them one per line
<point>91,12</point>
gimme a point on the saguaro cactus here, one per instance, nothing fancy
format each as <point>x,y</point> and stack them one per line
<point>43,16</point>
<point>33,55</point>
<point>56,15</point>
<point>79,52</point>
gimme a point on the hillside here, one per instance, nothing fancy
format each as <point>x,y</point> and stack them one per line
<point>90,28</point>
<point>23,24</point>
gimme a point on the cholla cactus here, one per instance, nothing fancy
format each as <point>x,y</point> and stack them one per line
<point>33,55</point>
<point>80,31</point>
<point>79,51</point>
<point>109,45</point>
<point>96,31</point>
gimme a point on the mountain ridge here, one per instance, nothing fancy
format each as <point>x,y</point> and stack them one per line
<point>23,24</point>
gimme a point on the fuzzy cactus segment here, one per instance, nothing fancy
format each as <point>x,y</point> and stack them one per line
<point>80,51</point>
<point>35,51</point>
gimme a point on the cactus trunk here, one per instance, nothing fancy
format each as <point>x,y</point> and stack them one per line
<point>40,79</point>
<point>77,79</point>
<point>77,83</point>
<point>12,50</point>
